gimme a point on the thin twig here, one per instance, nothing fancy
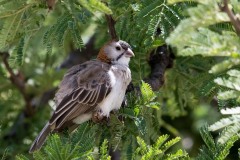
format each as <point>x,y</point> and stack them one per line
<point>111,27</point>
<point>17,12</point>
<point>233,18</point>
<point>19,83</point>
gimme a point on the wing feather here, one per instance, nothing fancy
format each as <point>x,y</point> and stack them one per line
<point>57,115</point>
<point>83,96</point>
<point>88,98</point>
<point>90,84</point>
<point>62,119</point>
<point>95,96</point>
<point>77,93</point>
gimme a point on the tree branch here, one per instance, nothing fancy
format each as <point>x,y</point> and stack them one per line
<point>111,27</point>
<point>18,81</point>
<point>159,60</point>
<point>233,18</point>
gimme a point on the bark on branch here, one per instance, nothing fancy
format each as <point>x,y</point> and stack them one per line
<point>233,18</point>
<point>18,81</point>
<point>159,60</point>
<point>111,24</point>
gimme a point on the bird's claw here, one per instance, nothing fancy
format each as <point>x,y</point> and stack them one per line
<point>97,116</point>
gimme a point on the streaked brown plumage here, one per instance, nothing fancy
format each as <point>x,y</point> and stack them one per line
<point>94,86</point>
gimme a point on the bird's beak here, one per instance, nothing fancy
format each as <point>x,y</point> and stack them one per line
<point>129,53</point>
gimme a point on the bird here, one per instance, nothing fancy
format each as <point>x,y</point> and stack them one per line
<point>90,90</point>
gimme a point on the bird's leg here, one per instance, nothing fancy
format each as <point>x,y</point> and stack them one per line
<point>97,116</point>
<point>124,103</point>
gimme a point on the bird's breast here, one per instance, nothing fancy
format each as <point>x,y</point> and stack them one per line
<point>120,77</point>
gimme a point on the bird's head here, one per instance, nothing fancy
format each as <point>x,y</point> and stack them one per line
<point>116,52</point>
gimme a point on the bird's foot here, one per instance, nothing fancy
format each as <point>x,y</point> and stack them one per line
<point>97,116</point>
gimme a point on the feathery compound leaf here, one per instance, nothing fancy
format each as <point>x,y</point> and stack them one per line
<point>162,139</point>
<point>117,128</point>
<point>195,41</point>
<point>157,150</point>
<point>84,137</point>
<point>147,92</point>
<point>219,152</point>
<point>153,25</point>
<point>75,34</point>
<point>226,95</point>
<point>14,15</point>
<point>235,110</point>
<point>177,1</point>
<point>232,82</point>
<point>208,139</point>
<point>224,122</point>
<point>142,146</point>
<point>225,148</point>
<point>79,145</point>
<point>180,154</point>
<point>17,55</point>
<point>104,151</point>
<point>8,31</point>
<point>56,33</point>
<point>54,146</point>
<point>141,125</point>
<point>20,157</point>
<point>150,8</point>
<point>95,5</point>
<point>171,143</point>
<point>228,133</point>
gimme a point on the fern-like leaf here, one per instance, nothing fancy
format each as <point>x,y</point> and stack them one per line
<point>171,143</point>
<point>225,148</point>
<point>224,122</point>
<point>104,151</point>
<point>147,92</point>
<point>208,139</point>
<point>229,132</point>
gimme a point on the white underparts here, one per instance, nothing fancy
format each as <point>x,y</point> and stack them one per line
<point>119,82</point>
<point>82,118</point>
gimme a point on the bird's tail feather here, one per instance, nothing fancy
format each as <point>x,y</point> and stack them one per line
<point>39,141</point>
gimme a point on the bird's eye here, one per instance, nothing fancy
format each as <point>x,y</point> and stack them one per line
<point>118,48</point>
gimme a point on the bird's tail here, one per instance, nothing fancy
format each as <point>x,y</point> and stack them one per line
<point>39,141</point>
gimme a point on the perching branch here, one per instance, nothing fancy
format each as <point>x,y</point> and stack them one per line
<point>233,18</point>
<point>18,81</point>
<point>159,60</point>
<point>51,4</point>
<point>111,27</point>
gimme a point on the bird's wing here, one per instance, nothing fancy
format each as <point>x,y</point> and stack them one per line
<point>83,87</point>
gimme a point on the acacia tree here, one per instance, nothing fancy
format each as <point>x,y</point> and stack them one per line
<point>38,39</point>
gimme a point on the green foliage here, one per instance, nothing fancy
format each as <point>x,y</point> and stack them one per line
<point>148,96</point>
<point>205,73</point>
<point>214,150</point>
<point>14,15</point>
<point>230,124</point>
<point>147,16</point>
<point>79,145</point>
<point>157,150</point>
<point>95,5</point>
<point>201,37</point>
<point>104,151</point>
<point>32,15</point>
